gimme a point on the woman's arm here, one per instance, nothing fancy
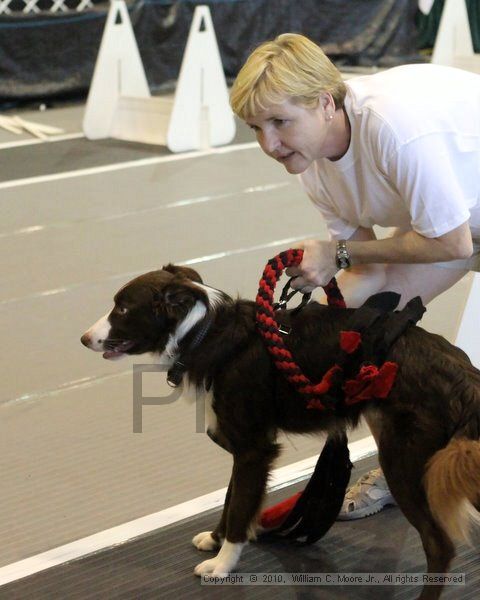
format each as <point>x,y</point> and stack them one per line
<point>318,265</point>
<point>411,247</point>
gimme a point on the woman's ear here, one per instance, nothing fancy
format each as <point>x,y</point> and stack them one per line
<point>327,105</point>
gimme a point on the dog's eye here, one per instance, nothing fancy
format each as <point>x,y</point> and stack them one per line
<point>122,310</point>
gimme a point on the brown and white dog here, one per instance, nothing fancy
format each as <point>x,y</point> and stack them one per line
<point>427,431</point>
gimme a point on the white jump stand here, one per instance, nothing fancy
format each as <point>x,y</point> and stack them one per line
<point>119,103</point>
<point>468,331</point>
<point>453,45</point>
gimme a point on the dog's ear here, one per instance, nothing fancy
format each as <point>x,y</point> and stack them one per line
<point>178,298</point>
<point>184,272</point>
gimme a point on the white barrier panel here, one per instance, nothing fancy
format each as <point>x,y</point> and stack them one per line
<point>454,47</point>
<point>143,120</point>
<point>453,44</point>
<point>119,103</point>
<point>468,332</point>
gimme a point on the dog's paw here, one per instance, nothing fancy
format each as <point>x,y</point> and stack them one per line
<point>213,566</point>
<point>204,541</point>
<point>224,563</point>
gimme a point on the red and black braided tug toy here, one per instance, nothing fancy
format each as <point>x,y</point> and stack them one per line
<point>363,346</point>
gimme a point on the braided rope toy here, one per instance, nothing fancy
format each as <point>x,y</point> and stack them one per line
<point>269,328</point>
<point>334,464</point>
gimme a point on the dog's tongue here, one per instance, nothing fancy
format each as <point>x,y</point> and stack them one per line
<point>119,351</point>
<point>112,355</point>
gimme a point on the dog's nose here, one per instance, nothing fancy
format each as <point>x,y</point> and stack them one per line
<point>86,339</point>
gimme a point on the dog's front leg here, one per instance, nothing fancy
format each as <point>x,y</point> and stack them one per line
<point>247,487</point>
<point>212,540</point>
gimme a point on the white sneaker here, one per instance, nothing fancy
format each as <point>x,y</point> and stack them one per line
<point>368,496</point>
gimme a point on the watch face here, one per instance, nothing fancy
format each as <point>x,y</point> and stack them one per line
<point>343,261</point>
<point>343,257</point>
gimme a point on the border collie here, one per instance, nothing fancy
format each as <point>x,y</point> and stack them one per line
<point>427,430</point>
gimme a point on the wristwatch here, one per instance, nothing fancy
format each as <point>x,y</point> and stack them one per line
<point>342,257</point>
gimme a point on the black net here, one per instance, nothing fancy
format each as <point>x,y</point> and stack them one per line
<point>25,7</point>
<point>51,53</point>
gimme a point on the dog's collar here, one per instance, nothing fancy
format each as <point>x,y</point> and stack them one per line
<point>176,373</point>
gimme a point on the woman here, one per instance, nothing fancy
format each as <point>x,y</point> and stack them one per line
<point>399,149</point>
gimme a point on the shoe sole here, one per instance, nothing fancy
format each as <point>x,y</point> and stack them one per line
<point>367,511</point>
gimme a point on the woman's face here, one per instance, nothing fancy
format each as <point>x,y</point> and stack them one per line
<point>295,135</point>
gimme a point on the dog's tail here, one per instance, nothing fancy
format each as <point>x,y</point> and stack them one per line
<point>452,485</point>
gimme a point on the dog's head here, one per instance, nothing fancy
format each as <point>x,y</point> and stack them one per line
<point>151,313</point>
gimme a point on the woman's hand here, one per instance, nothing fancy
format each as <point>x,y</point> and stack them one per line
<point>317,267</point>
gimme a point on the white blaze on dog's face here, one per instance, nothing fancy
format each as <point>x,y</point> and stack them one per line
<point>95,337</point>
<point>152,313</point>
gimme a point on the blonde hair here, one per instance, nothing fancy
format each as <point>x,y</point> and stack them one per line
<point>289,67</point>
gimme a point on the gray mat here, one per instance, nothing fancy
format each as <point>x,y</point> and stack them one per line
<point>160,564</point>
<point>71,155</point>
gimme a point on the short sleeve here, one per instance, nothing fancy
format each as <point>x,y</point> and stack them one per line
<point>432,178</point>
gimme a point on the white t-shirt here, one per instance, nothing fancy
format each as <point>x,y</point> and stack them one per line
<point>414,155</point>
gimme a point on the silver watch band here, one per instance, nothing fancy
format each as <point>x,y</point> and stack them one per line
<point>342,258</point>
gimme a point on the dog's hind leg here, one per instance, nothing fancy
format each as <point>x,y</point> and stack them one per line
<point>438,547</point>
<point>403,473</point>
<point>247,487</point>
